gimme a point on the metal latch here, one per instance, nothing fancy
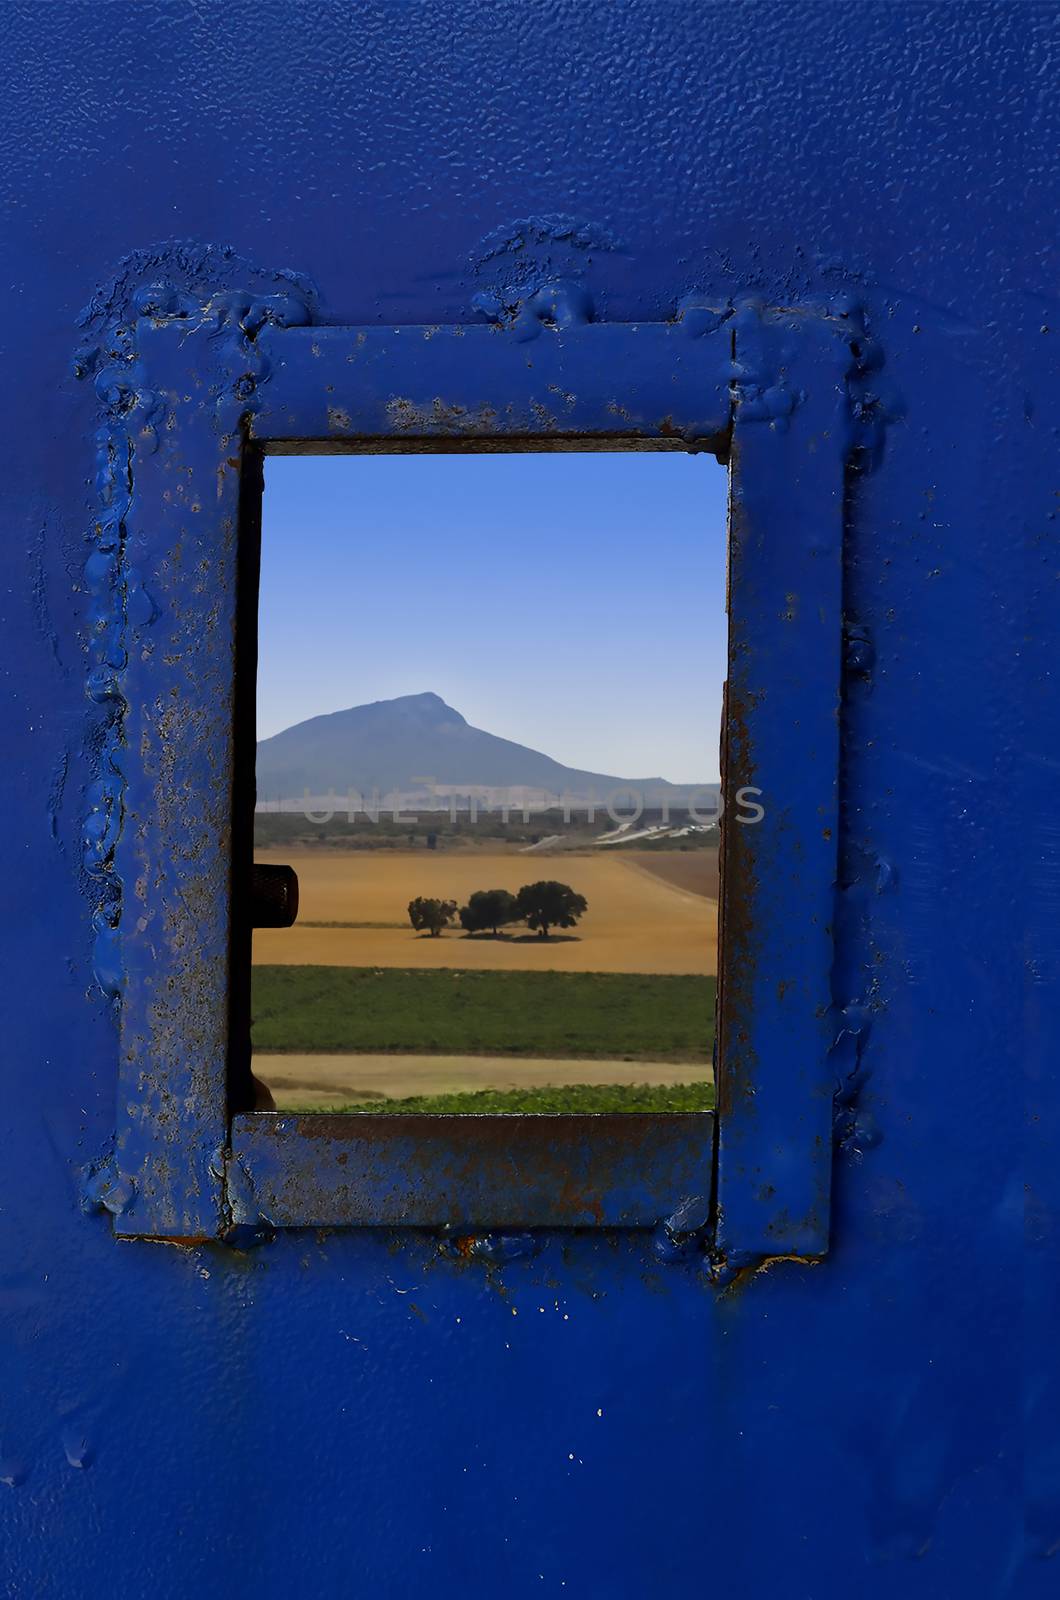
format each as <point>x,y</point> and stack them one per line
<point>273,896</point>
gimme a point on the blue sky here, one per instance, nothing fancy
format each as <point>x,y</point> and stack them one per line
<point>574,602</point>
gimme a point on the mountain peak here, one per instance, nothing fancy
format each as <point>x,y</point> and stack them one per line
<point>428,706</point>
<point>393,745</point>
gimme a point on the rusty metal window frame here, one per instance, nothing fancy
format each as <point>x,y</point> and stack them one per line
<point>199,388</point>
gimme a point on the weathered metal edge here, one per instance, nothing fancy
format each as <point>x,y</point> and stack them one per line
<point>170,350</point>
<point>622,1170</point>
<point>126,397</point>
<point>805,421</point>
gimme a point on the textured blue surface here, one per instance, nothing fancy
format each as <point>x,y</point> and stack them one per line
<point>361,1414</point>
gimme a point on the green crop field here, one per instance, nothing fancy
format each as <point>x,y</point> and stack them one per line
<point>568,1100</point>
<point>609,1015</point>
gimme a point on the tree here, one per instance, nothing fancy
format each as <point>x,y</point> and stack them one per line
<point>548,905</point>
<point>431,916</point>
<point>489,908</point>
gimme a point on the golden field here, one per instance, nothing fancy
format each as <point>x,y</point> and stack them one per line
<point>637,921</point>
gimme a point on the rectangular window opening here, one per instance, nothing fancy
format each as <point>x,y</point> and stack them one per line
<point>480,750</point>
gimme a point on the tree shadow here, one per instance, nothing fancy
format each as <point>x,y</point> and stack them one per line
<point>505,938</point>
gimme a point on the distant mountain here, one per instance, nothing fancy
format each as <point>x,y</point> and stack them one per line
<point>418,745</point>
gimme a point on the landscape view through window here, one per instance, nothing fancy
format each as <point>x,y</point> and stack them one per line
<point>488,711</point>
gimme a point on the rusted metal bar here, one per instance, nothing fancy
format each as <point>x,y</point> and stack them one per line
<point>626,1170</point>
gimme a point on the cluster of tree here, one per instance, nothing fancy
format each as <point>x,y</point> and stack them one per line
<point>542,906</point>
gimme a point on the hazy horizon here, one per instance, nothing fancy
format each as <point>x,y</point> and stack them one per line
<point>571,602</point>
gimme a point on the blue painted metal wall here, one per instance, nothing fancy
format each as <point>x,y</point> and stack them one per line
<point>361,1413</point>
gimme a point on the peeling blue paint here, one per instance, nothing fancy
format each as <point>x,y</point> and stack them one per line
<point>186,285</point>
